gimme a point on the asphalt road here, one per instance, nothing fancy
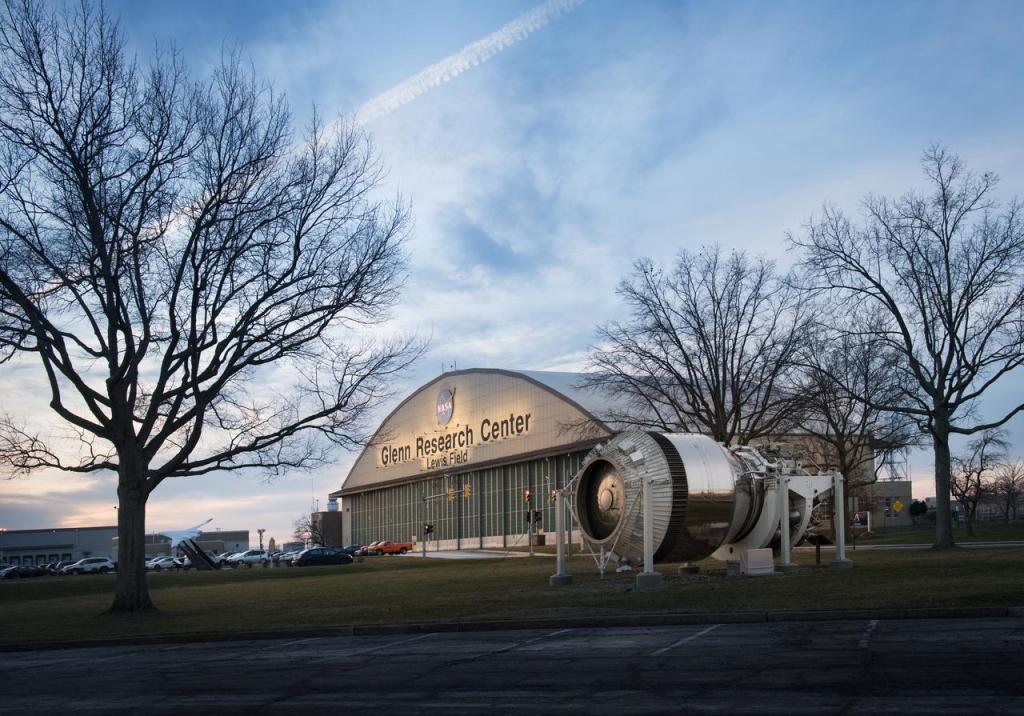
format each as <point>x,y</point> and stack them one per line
<point>841,667</point>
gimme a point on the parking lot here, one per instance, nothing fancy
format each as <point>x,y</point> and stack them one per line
<point>849,667</point>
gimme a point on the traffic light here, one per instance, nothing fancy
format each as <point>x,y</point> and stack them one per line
<point>553,496</point>
<point>428,528</point>
<point>536,515</point>
<point>526,517</point>
<point>526,497</point>
<point>451,494</point>
<point>467,490</point>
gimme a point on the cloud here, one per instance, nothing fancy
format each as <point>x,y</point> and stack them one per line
<point>468,57</point>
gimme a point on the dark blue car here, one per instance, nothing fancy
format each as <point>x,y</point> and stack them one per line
<point>26,570</point>
<point>321,555</point>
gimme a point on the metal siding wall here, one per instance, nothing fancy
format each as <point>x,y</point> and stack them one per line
<point>495,509</point>
<point>470,508</point>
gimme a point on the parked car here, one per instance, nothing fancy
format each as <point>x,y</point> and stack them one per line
<point>389,547</point>
<point>90,565</point>
<point>24,571</point>
<point>372,547</point>
<point>56,567</point>
<point>322,555</point>
<point>285,558</point>
<point>356,550</point>
<point>221,558</point>
<point>249,558</point>
<point>161,563</point>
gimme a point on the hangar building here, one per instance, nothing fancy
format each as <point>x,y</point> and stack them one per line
<point>464,451</point>
<point>67,544</point>
<point>474,453</point>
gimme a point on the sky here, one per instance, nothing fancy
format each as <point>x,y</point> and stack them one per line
<point>546,147</point>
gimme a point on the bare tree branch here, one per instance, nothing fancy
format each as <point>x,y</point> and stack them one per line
<point>973,472</point>
<point>710,348</point>
<point>946,271</point>
<point>200,288</point>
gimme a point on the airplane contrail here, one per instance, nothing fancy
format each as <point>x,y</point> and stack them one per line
<point>469,56</point>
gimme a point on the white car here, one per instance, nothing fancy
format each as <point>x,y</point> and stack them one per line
<point>287,557</point>
<point>161,563</point>
<point>249,558</point>
<point>90,565</point>
<point>222,559</point>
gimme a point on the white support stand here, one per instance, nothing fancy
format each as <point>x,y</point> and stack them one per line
<point>560,578</point>
<point>648,579</point>
<point>839,500</point>
<point>785,558</point>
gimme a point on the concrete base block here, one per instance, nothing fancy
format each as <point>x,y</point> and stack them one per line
<point>757,562</point>
<point>560,580</point>
<point>787,568</point>
<point>841,564</point>
<point>685,569</point>
<point>648,580</point>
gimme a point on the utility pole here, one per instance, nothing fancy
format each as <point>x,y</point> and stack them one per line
<point>425,533</point>
<point>529,520</point>
<point>261,530</point>
<point>458,522</point>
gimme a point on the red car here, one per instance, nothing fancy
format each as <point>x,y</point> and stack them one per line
<point>389,547</point>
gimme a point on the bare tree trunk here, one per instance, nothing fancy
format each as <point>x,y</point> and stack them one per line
<point>131,593</point>
<point>943,471</point>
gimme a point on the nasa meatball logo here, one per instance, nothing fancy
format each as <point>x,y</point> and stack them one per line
<point>445,406</point>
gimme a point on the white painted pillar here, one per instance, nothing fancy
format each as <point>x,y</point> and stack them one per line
<point>839,500</point>
<point>560,578</point>
<point>648,526</point>
<point>785,556</point>
<point>648,578</point>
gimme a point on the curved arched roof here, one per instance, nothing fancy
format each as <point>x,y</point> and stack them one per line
<point>498,416</point>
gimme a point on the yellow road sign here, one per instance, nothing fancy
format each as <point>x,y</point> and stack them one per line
<point>897,505</point>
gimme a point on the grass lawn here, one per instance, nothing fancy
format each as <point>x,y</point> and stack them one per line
<point>386,590</point>
<point>983,532</point>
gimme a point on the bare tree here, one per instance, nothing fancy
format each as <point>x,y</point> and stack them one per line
<point>709,348</point>
<point>196,286</point>
<point>973,472</point>
<point>844,375</point>
<point>309,531</point>
<point>946,270</point>
<point>1009,488</point>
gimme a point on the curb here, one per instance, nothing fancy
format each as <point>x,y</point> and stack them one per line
<point>597,622</point>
